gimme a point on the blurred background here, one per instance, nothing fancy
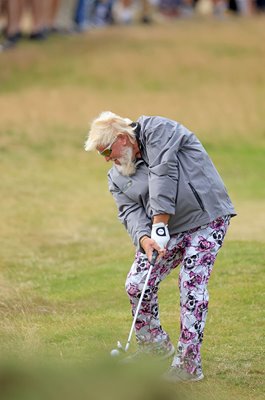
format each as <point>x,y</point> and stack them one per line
<point>64,256</point>
<point>37,20</point>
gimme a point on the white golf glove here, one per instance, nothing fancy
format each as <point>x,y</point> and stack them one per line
<point>160,234</point>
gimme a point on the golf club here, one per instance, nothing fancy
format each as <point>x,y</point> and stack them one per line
<point>116,352</point>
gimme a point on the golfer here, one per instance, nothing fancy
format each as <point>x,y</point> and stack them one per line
<point>171,198</point>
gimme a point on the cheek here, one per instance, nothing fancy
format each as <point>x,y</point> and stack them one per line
<point>116,154</point>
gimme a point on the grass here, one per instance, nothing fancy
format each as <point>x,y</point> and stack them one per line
<point>64,256</point>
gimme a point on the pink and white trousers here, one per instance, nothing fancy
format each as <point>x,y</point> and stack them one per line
<point>195,251</point>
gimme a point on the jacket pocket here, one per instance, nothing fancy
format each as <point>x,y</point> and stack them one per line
<point>199,200</point>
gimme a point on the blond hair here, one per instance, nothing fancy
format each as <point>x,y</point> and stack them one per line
<point>105,128</point>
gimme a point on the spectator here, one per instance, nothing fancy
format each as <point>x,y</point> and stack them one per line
<point>145,11</point>
<point>37,10</point>
<point>52,8</point>
<point>14,9</point>
<point>125,11</point>
<point>128,11</point>
<point>84,14</point>
<point>64,20</point>
<point>170,8</point>
<point>260,5</point>
<point>103,12</point>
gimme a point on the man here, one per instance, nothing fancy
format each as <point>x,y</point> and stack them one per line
<point>170,198</point>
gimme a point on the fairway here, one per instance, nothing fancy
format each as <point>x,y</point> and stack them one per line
<point>64,256</point>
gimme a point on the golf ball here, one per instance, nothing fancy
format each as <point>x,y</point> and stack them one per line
<point>114,353</point>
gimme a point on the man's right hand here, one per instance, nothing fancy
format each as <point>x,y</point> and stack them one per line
<point>149,245</point>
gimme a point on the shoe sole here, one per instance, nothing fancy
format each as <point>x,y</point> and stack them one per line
<point>179,380</point>
<point>198,378</point>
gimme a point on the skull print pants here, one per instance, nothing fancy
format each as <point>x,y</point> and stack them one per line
<point>195,251</point>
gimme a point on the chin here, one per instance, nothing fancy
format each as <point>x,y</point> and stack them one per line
<point>126,165</point>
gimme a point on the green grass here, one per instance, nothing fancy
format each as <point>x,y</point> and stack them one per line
<point>64,256</point>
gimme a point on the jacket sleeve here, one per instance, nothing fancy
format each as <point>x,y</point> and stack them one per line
<point>164,139</point>
<point>132,215</point>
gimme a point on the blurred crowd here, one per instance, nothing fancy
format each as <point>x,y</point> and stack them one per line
<point>36,20</point>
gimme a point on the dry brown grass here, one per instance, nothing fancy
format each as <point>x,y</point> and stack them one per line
<point>209,75</point>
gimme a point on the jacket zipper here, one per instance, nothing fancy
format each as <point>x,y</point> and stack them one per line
<point>197,197</point>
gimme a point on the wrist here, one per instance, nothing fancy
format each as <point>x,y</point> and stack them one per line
<point>143,238</point>
<point>164,218</point>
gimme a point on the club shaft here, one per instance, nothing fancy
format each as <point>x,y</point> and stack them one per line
<point>154,257</point>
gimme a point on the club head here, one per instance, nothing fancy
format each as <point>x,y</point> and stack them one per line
<point>119,345</point>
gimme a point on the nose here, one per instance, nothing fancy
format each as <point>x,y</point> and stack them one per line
<point>107,159</point>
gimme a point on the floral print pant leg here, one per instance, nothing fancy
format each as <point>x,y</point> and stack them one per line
<point>149,332</point>
<point>196,251</point>
<point>201,248</point>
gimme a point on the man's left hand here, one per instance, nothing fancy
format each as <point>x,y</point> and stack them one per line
<point>160,234</point>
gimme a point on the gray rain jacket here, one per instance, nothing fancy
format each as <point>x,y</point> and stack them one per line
<point>175,176</point>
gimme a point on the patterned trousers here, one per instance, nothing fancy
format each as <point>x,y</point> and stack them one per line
<point>195,251</point>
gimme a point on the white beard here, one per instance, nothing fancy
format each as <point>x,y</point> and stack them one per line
<point>127,167</point>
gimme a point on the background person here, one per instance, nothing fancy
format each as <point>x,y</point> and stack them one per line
<point>52,9</point>
<point>170,198</point>
<point>37,10</point>
<point>14,11</point>
<point>64,19</point>
<point>84,14</point>
<point>43,16</point>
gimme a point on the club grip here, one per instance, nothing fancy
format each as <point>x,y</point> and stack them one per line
<point>154,257</point>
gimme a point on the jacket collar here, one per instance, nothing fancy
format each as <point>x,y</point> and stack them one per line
<point>137,129</point>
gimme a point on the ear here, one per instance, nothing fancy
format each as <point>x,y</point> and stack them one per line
<point>124,140</point>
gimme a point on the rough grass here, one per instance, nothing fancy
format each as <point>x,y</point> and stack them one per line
<point>64,257</point>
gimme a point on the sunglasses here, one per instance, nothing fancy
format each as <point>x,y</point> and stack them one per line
<point>108,150</point>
